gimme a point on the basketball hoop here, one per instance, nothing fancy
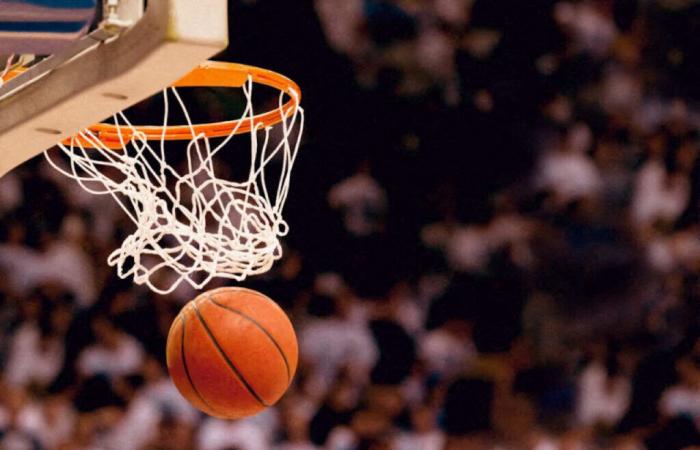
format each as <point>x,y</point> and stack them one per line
<point>187,218</point>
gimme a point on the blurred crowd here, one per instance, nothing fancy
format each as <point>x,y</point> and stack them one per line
<point>495,243</point>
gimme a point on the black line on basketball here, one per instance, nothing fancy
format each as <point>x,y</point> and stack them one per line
<point>183,356</point>
<point>259,326</point>
<point>229,363</point>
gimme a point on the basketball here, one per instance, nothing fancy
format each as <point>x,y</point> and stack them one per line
<point>232,352</point>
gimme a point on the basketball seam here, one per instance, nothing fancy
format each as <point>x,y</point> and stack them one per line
<point>259,326</point>
<point>183,356</point>
<point>228,361</point>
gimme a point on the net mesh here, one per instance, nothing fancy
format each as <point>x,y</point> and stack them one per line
<point>189,220</point>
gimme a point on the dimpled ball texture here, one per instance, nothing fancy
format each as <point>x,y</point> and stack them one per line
<point>232,352</point>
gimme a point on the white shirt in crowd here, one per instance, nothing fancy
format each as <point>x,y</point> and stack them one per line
<point>361,200</point>
<point>62,263</point>
<point>445,354</point>
<point>21,267</point>
<point>681,400</point>
<point>469,248</point>
<point>341,438</point>
<point>29,360</point>
<point>65,263</point>
<point>247,434</point>
<point>332,344</point>
<point>296,446</point>
<point>570,175</point>
<point>140,423</point>
<point>341,22</point>
<point>656,197</point>
<point>593,31</point>
<point>50,422</point>
<point>601,400</point>
<point>125,359</point>
<point>17,440</point>
<point>434,440</point>
<point>666,253</point>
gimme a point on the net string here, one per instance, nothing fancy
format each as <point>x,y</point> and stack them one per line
<point>195,224</point>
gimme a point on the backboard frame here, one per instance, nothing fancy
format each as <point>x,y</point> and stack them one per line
<point>107,71</point>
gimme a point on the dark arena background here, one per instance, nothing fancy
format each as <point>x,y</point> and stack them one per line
<point>495,243</point>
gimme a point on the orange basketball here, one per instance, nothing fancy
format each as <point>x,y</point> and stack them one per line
<point>232,352</point>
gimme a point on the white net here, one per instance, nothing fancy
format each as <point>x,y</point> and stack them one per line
<point>190,220</point>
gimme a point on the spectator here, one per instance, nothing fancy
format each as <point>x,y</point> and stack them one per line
<point>660,196</point>
<point>683,399</point>
<point>114,353</point>
<point>603,391</point>
<point>36,350</point>
<point>51,420</point>
<point>362,202</point>
<point>330,342</point>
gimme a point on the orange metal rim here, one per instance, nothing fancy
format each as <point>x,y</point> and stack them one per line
<point>13,73</point>
<point>208,74</point>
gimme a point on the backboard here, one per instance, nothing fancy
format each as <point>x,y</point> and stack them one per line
<point>101,59</point>
<point>44,28</point>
